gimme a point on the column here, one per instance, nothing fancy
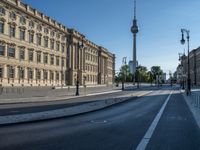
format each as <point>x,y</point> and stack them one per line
<point>5,73</point>
<point>72,57</point>
<point>16,78</point>
<point>16,52</point>
<point>6,50</point>
<point>84,59</point>
<point>26,74</point>
<point>34,75</point>
<point>48,76</point>
<point>26,51</point>
<point>42,76</point>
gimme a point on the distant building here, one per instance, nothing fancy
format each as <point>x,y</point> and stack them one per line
<point>132,67</point>
<point>194,59</point>
<point>164,77</point>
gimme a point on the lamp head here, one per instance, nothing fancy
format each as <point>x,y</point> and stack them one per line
<point>182,40</point>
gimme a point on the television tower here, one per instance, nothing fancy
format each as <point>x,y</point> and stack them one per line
<point>134,30</point>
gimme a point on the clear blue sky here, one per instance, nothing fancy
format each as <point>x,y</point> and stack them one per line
<point>108,23</point>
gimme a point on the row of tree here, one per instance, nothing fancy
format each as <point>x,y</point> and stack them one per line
<point>142,74</point>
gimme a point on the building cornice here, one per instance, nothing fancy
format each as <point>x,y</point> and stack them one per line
<point>17,4</point>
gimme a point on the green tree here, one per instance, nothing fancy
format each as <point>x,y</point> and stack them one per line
<point>142,73</point>
<point>156,72</point>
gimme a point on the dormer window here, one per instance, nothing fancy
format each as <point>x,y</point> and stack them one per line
<point>31,24</point>
<point>23,20</point>
<point>13,15</point>
<point>2,11</point>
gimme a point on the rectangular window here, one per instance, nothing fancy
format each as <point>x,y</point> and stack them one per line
<point>11,52</point>
<point>12,31</point>
<point>45,42</point>
<point>52,60</point>
<point>57,76</point>
<point>62,75</point>
<point>21,54</point>
<point>1,72</point>
<point>39,40</point>
<point>38,74</point>
<point>22,20</point>
<point>51,76</point>
<point>11,72</point>
<point>63,48</point>
<point>1,27</point>
<point>52,44</point>
<point>57,46</point>
<point>2,10</point>
<point>38,57</point>
<point>30,73</point>
<point>21,73</point>
<point>45,75</point>
<point>45,58</point>
<point>13,15</point>
<point>22,34</point>
<point>63,62</point>
<point>30,55</point>
<point>57,61</point>
<point>2,50</point>
<point>31,37</point>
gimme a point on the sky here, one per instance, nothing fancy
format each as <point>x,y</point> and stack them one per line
<point>107,23</point>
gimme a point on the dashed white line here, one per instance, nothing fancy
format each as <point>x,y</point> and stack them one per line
<point>145,140</point>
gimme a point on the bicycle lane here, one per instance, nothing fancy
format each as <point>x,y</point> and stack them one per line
<point>176,129</point>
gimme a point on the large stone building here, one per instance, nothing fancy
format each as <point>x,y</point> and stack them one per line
<point>194,61</point>
<point>36,50</point>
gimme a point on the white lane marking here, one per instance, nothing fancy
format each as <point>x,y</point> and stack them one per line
<point>103,92</point>
<point>145,140</point>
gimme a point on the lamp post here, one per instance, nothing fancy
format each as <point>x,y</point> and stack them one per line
<point>80,46</point>
<point>123,72</point>
<point>188,75</point>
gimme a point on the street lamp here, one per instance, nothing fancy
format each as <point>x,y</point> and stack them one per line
<point>80,46</point>
<point>188,89</point>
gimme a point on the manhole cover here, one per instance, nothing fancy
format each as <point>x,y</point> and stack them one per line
<point>98,121</point>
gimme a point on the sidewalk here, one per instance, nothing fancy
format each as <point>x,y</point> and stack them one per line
<point>38,94</point>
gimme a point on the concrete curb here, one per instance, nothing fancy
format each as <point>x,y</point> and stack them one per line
<point>65,112</point>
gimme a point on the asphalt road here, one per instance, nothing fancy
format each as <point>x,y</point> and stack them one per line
<point>120,127</point>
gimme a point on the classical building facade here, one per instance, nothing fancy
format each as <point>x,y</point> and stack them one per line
<point>36,50</point>
<point>194,59</point>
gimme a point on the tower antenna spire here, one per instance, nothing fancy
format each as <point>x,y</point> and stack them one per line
<point>134,30</point>
<point>134,9</point>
